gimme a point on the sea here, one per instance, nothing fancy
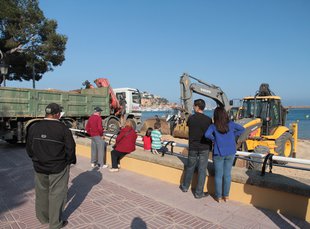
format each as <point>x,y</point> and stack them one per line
<point>299,115</point>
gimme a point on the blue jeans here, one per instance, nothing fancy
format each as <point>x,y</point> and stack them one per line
<point>194,157</point>
<point>222,166</point>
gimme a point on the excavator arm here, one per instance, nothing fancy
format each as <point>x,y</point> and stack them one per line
<point>187,89</point>
<point>208,90</point>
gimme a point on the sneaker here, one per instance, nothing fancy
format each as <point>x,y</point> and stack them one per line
<point>113,170</point>
<point>204,194</point>
<point>119,166</point>
<point>182,188</point>
<point>64,223</point>
<point>219,200</point>
<point>104,166</point>
<point>93,165</point>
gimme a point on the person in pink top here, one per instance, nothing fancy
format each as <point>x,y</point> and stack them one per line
<point>147,140</point>
<point>98,145</point>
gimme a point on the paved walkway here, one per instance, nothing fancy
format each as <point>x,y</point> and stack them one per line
<point>100,199</point>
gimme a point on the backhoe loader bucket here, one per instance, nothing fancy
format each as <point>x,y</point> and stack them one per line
<point>165,127</point>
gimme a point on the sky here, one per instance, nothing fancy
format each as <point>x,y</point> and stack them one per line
<point>144,44</point>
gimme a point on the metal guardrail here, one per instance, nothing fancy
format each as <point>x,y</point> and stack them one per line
<point>265,159</point>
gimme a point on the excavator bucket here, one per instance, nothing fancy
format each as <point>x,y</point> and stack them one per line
<point>165,126</point>
<point>181,130</point>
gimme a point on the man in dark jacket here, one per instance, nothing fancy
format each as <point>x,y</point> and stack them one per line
<point>198,149</point>
<point>51,147</point>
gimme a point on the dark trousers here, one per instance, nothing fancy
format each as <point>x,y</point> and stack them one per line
<point>51,197</point>
<point>116,157</point>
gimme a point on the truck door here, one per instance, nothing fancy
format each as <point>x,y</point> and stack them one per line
<point>123,100</point>
<point>136,101</point>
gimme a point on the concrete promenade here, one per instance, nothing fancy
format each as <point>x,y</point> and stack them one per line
<point>100,199</point>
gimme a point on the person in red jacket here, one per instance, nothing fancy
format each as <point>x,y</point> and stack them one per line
<point>98,145</point>
<point>125,143</point>
<point>147,140</point>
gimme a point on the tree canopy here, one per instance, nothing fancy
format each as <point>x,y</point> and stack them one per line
<point>29,43</point>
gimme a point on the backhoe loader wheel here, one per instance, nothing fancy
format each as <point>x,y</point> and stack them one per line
<point>284,145</point>
<point>257,163</point>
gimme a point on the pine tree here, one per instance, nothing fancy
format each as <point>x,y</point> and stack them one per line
<point>29,43</point>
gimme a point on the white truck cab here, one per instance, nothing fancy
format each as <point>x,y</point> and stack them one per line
<point>133,102</point>
<point>132,97</point>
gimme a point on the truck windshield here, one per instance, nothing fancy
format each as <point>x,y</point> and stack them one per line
<point>136,98</point>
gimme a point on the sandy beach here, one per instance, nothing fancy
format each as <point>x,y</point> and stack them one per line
<point>303,149</point>
<point>303,152</point>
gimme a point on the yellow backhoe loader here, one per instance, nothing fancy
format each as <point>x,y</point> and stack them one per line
<point>264,118</point>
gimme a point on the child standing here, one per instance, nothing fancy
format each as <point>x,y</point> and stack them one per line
<point>147,140</point>
<point>156,138</point>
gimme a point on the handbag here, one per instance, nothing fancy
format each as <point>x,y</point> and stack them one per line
<point>114,146</point>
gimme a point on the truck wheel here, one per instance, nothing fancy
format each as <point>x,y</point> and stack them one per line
<point>113,126</point>
<point>284,145</point>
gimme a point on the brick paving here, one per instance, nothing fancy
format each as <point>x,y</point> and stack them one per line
<point>99,199</point>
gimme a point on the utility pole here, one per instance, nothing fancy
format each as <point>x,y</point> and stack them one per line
<point>33,77</point>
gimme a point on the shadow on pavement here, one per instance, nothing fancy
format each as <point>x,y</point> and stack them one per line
<point>138,223</point>
<point>78,191</point>
<point>16,175</point>
<point>254,178</point>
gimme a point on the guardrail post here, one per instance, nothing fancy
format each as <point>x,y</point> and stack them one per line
<point>267,158</point>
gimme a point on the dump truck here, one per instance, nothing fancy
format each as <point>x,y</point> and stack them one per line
<point>22,107</point>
